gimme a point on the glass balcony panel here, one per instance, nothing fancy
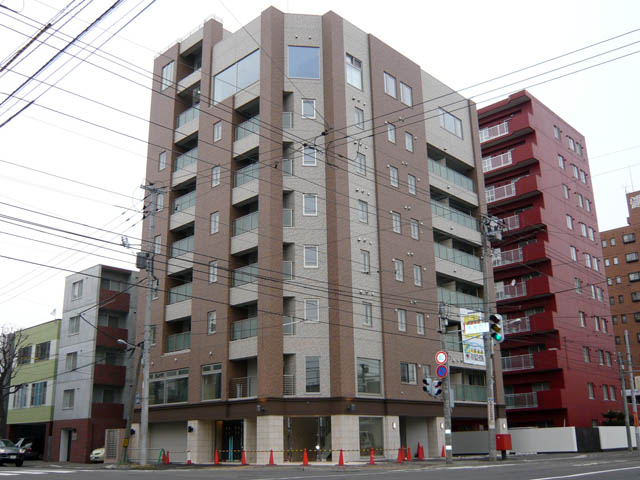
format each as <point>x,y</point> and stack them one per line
<point>188,115</point>
<point>501,192</point>
<point>457,256</point>
<point>246,328</point>
<point>287,119</point>
<point>288,325</point>
<point>246,174</point>
<point>248,127</point>
<point>287,270</point>
<point>184,202</point>
<point>459,299</point>
<point>511,291</point>
<point>521,400</point>
<point>180,293</point>
<point>182,246</point>
<point>439,210</point>
<point>287,217</point>
<point>243,387</point>
<point>287,166</point>
<point>448,173</point>
<point>469,393</point>
<point>179,341</point>
<point>245,224</point>
<point>516,325</point>
<point>244,275</point>
<point>517,362</point>
<point>186,159</point>
<point>508,257</point>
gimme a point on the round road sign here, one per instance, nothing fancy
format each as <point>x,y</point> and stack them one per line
<point>441,357</point>
<point>441,371</point>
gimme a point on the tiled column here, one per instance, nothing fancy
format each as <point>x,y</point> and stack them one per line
<point>249,430</point>
<point>199,442</point>
<point>435,427</point>
<point>391,436</point>
<point>269,429</point>
<point>345,435</point>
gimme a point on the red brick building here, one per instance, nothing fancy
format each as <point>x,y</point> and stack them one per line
<point>559,353</point>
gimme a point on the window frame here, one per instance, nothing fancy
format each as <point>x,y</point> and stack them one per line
<point>308,101</point>
<point>412,184</point>
<point>390,82</point>
<point>306,156</point>
<point>391,132</point>
<point>398,266</point>
<point>217,131</point>
<point>368,314</point>
<point>404,89</point>
<point>314,211</point>
<point>307,306</point>
<point>215,175</point>
<point>312,370</point>
<point>213,272</point>
<point>394,176</point>
<point>363,211</point>
<point>359,118</point>
<point>214,223</point>
<point>396,222</point>
<point>417,275</point>
<point>309,248</point>
<point>352,66</point>
<point>408,373</point>
<point>365,261</point>
<point>401,319</point>
<point>212,320</point>
<point>408,142</point>
<point>293,48</point>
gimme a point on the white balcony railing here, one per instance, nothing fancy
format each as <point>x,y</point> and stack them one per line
<point>494,194</point>
<point>495,131</point>
<point>517,362</point>
<point>289,384</point>
<point>499,161</point>
<point>512,222</point>
<point>508,257</point>
<point>521,400</point>
<point>243,387</point>
<point>517,325</point>
<point>511,291</point>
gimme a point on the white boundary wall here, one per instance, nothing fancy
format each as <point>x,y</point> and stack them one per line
<point>615,437</point>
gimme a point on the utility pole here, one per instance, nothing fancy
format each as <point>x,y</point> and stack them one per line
<point>132,403</point>
<point>632,386</point>
<point>144,411</point>
<point>446,386</point>
<point>624,402</point>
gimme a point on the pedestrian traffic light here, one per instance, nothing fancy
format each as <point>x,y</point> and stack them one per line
<point>436,388</point>
<point>496,327</point>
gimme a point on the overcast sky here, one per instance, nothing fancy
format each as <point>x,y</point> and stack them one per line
<point>461,43</point>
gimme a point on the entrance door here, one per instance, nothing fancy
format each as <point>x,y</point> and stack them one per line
<point>232,439</point>
<point>65,445</point>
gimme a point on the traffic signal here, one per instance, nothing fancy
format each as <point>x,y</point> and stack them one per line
<point>426,385</point>
<point>496,327</point>
<point>436,388</point>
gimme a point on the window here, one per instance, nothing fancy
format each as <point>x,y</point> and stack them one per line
<point>621,298</point>
<point>618,279</point>
<point>608,358</point>
<point>556,132</point>
<point>607,262</point>
<point>310,256</point>
<point>579,148</point>
<point>363,211</point>
<point>76,289</point>
<point>74,325</point>
<point>585,353</point>
<point>368,314</point>
<point>396,222</point>
<point>580,200</point>
<point>309,156</point>
<point>574,253</point>
<point>572,144</point>
<point>42,351</point>
<point>415,229</point>
<point>614,319</point>
<point>569,222</point>
<point>217,131</point>
<point>213,271</point>
<point>605,392</point>
<point>359,118</point>
<point>408,373</point>
<point>215,176</point>
<point>420,323</point>
<point>583,176</point>
<point>157,244</point>
<point>154,285</point>
<point>590,390</point>
<point>20,396</point>
<point>308,108</point>
<point>565,191</point>
<point>450,123</point>
<point>310,204</point>
<point>24,355</point>
<point>587,203</point>
<point>311,310</point>
<point>214,222</point>
<point>162,161</point>
<point>618,339</point>
<point>562,163</point>
<point>402,320</point>
<point>312,374</point>
<point>38,394</point>
<point>354,71</point>
<point>628,238</point>
<point>71,361</point>
<point>68,399</point>
<point>390,85</point>
<point>169,387</point>
<point>160,202</point>
<point>612,242</point>
<point>592,235</point>
<point>587,260</point>
<point>631,257</point>
<point>393,176</point>
<point>577,284</point>
<point>212,381</point>
<point>583,229</point>
<point>574,170</point>
<point>365,261</point>
<point>411,182</point>
<point>167,76</point>
<point>417,275</point>
<point>603,326</point>
<point>304,62</point>
<point>612,300</point>
<point>406,95</point>
<point>153,333</point>
<point>600,356</point>
<point>635,297</point>
<point>592,290</point>
<point>398,265</point>
<point>633,277</point>
<point>604,243</point>
<point>391,132</point>
<point>582,319</point>
<point>612,393</point>
<point>408,141</point>
<point>368,376</point>
<point>212,322</point>
<point>361,163</point>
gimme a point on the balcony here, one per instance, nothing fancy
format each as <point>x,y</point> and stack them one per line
<point>187,123</point>
<point>495,131</point>
<point>246,137</point>
<point>113,411</point>
<point>179,341</point>
<point>451,175</point>
<point>288,325</point>
<point>244,328</point>
<point>184,209</point>
<point>246,184</point>
<point>454,222</point>
<point>179,302</point>
<point>457,256</point>
<point>109,375</point>
<point>517,325</point>
<point>527,220</point>
<point>108,337</point>
<point>189,81</point>
<point>517,362</point>
<point>521,400</point>
<point>243,387</point>
<point>518,157</point>
<point>469,393</point>
<point>244,288</point>
<point>507,131</point>
<point>498,161</point>
<point>494,194</point>
<point>243,275</point>
<point>507,258</point>
<point>185,168</point>
<point>287,217</point>
<point>505,292</point>
<point>459,299</point>
<point>245,234</point>
<point>181,256</point>
<point>287,119</point>
<point>289,385</point>
<point>115,300</point>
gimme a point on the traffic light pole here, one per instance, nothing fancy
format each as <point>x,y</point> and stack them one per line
<point>632,386</point>
<point>446,392</point>
<point>624,402</point>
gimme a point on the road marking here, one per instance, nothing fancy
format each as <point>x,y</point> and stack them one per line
<point>11,473</point>
<point>574,475</point>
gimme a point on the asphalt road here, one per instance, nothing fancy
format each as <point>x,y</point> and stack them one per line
<point>597,466</point>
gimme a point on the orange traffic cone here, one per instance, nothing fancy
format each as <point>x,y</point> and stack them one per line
<point>305,458</point>
<point>443,454</point>
<point>243,458</point>
<point>341,459</point>
<point>168,460</point>
<point>420,452</point>
<point>271,462</point>
<point>188,457</point>
<point>400,455</point>
<point>408,454</point>
<point>371,459</point>
<point>216,459</point>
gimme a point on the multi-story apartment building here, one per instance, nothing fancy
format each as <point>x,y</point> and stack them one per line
<point>93,381</point>
<point>620,251</point>
<point>30,414</point>
<point>558,357</point>
<point>321,199</point>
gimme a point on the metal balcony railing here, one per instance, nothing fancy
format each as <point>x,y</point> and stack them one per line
<point>186,159</point>
<point>243,275</point>
<point>493,163</point>
<point>287,119</point>
<point>246,328</point>
<point>512,222</point>
<point>507,258</point>
<point>287,217</point>
<point>184,202</point>
<point>287,167</point>
<point>179,341</point>
<point>288,325</point>
<point>180,293</point>
<point>245,224</point>
<point>289,384</point>
<point>246,174</point>
<point>511,291</point>
<point>517,325</point>
<point>248,127</point>
<point>451,175</point>
<point>243,387</point>
<point>461,218</point>
<point>494,194</point>
<point>457,256</point>
<point>287,270</point>
<point>181,247</point>
<point>521,400</point>
<point>458,299</point>
<point>517,362</point>
<point>495,131</point>
<point>188,115</point>
<point>469,393</point>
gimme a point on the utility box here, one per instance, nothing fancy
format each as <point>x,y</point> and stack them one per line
<point>503,441</point>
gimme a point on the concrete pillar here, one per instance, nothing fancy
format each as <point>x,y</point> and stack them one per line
<point>249,430</point>
<point>200,441</point>
<point>269,436</point>
<point>391,429</point>
<point>345,435</point>
<point>435,429</point>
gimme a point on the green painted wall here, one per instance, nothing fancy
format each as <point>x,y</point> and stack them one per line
<point>43,413</point>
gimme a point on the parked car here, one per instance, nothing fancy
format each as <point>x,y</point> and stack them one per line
<point>9,453</point>
<point>30,453</point>
<point>97,455</point>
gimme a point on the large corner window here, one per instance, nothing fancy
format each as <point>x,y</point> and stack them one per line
<point>236,77</point>
<point>212,381</point>
<point>354,71</point>
<point>368,372</point>
<point>450,123</point>
<point>169,387</point>
<point>167,75</point>
<point>304,62</point>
